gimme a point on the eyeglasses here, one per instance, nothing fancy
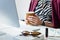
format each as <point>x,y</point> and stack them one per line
<point>26,33</point>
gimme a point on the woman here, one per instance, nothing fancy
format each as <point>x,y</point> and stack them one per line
<point>56,13</point>
<point>43,12</point>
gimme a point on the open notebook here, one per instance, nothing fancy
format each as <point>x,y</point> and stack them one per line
<point>8,14</point>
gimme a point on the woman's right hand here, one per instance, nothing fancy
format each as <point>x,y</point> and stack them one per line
<point>49,24</point>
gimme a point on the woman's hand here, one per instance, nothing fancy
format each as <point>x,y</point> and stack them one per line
<point>49,24</point>
<point>34,20</point>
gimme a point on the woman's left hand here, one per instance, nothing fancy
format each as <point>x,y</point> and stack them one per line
<point>34,20</point>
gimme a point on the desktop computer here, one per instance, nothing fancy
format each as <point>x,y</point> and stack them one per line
<point>8,14</point>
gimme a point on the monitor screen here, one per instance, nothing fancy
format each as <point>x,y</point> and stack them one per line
<point>8,13</point>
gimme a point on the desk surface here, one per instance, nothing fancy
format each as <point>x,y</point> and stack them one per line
<point>23,27</point>
<point>5,36</point>
<point>52,31</point>
<point>16,31</point>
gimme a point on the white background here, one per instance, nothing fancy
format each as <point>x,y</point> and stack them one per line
<point>22,7</point>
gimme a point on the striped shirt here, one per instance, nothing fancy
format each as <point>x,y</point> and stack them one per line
<point>44,10</point>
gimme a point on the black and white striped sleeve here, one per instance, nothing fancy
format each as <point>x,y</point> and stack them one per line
<point>44,10</point>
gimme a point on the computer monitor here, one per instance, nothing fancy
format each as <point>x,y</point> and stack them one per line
<point>8,14</point>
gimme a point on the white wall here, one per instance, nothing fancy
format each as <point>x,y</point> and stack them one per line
<point>22,7</point>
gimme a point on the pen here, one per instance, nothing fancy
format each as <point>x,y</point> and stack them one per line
<point>46,33</point>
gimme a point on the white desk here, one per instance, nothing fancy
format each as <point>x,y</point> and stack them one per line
<point>5,36</point>
<point>13,31</point>
<point>51,31</point>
